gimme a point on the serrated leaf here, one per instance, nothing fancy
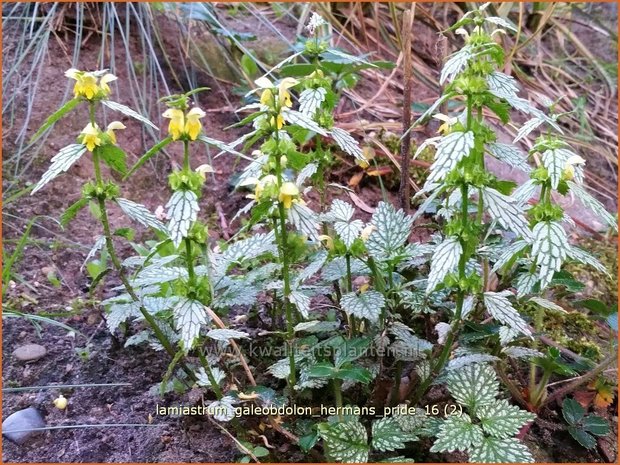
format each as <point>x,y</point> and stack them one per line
<point>182,209</point>
<point>457,433</point>
<point>226,334</point>
<point>527,127</point>
<point>554,160</point>
<point>582,437</point>
<point>54,117</point>
<point>61,162</point>
<point>503,420</point>
<point>316,326</point>
<point>71,212</point>
<point>128,111</point>
<point>508,254</point>
<point>250,248</point>
<point>597,207</point>
<point>223,146</point>
<point>367,305</point>
<point>445,260</point>
<point>547,304</point>
<point>525,283</point>
<point>391,230</point>
<point>459,362</point>
<point>387,435</point>
<point>97,246</point>
<point>305,173</point>
<point>431,110</point>
<point>493,450</point>
<point>141,214</point>
<point>119,313</point>
<point>347,143</point>
<point>455,64</point>
<point>502,85</point>
<point>550,248</point>
<point>301,301</point>
<point>595,425</point>
<point>159,275</point>
<point>223,409</point>
<point>584,257</point>
<point>451,149</point>
<point>502,23</point>
<point>525,191</point>
<point>202,378</point>
<point>473,385</point>
<point>150,153</point>
<point>507,212</point>
<point>304,219</point>
<point>522,352</point>
<point>113,156</point>
<point>303,121</point>
<point>501,309</point>
<point>510,155</point>
<point>572,411</point>
<point>189,316</point>
<point>348,232</point>
<point>310,100</point>
<point>345,442</point>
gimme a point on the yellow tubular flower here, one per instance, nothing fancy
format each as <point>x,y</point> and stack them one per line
<point>177,122</point>
<point>192,123</point>
<point>569,168</point>
<point>91,137</point>
<point>114,126</point>
<point>60,402</point>
<point>86,85</point>
<point>284,96</point>
<point>288,192</point>
<point>266,98</point>
<point>103,83</point>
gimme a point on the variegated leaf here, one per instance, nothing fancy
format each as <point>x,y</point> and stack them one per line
<point>345,442</point>
<point>189,315</point>
<point>182,209</point>
<point>550,248</point>
<point>597,207</point>
<point>501,22</point>
<point>501,309</point>
<point>493,450</point>
<point>347,143</point>
<point>503,209</point>
<point>115,106</point>
<point>366,305</point>
<point>444,261</point>
<point>510,155</point>
<point>584,257</point>
<point>391,230</point>
<point>310,100</point>
<point>473,385</point>
<point>141,214</point>
<point>503,420</point>
<point>501,85</point>
<point>457,433</point>
<point>508,253</point>
<point>61,162</point>
<point>455,64</point>
<point>525,192</point>
<point>450,150</point>
<point>527,127</point>
<point>303,121</point>
<point>304,219</point>
<point>225,334</point>
<point>525,283</point>
<point>547,304</point>
<point>555,162</point>
<point>302,302</point>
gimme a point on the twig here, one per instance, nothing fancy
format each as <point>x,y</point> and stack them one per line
<point>241,447</point>
<point>405,145</point>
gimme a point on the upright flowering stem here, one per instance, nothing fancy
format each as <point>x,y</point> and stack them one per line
<point>117,263</point>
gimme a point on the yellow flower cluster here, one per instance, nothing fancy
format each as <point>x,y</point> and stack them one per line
<point>184,125</point>
<point>276,97</point>
<point>91,136</point>
<point>90,85</point>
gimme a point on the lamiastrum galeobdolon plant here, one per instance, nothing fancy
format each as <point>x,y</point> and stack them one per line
<point>367,276</point>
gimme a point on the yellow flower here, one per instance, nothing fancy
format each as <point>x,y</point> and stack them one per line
<point>114,126</point>
<point>284,96</point>
<point>177,122</point>
<point>204,169</point>
<point>103,83</point>
<point>266,98</point>
<point>91,136</point>
<point>367,231</point>
<point>60,402</point>
<point>192,123</point>
<point>288,192</point>
<point>569,168</point>
<point>328,241</point>
<point>277,121</point>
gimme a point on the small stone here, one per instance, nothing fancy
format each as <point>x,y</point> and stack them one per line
<point>29,352</point>
<point>24,424</point>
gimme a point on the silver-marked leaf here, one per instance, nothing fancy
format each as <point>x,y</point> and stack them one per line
<point>61,162</point>
<point>202,378</point>
<point>344,58</point>
<point>507,335</point>
<point>509,214</point>
<point>155,305</point>
<point>473,385</point>
<point>525,192</point>
<point>97,246</point>
<point>304,219</point>
<point>527,127</point>
<point>501,85</point>
<point>316,326</point>
<point>522,352</point>
<point>182,209</point>
<point>345,442</point>
<point>159,275</point>
<point>367,305</point>
<point>457,433</point>
<point>444,261</point>
<point>223,409</point>
<point>450,150</point>
<point>339,211</point>
<point>119,313</point>
<point>302,302</point>
<point>493,450</point>
<point>510,155</point>
<point>429,112</point>
<point>455,64</point>
<point>305,173</point>
<point>392,228</point>
<point>225,334</point>
<point>220,145</point>
<point>525,283</point>
<point>550,248</point>
<point>128,111</point>
<point>250,248</point>
<point>547,304</point>
<point>303,121</point>
<point>501,309</point>
<point>501,22</point>
<point>141,214</point>
<point>387,435</point>
<point>348,232</point>
<point>310,100</point>
<point>508,253</point>
<point>189,316</point>
<point>555,162</point>
<point>503,420</point>
<point>584,257</point>
<point>459,362</point>
<point>597,207</point>
<point>347,143</point>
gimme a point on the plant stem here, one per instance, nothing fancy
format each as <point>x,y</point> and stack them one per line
<point>216,387</point>
<point>337,383</point>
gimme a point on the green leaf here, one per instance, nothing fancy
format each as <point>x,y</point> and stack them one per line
<point>71,212</point>
<point>572,411</point>
<point>62,111</point>
<point>595,425</point>
<point>260,452</point>
<point>387,435</point>
<point>190,315</point>
<point>144,158</point>
<point>354,374</point>
<point>249,65</point>
<point>345,442</point>
<point>457,433</point>
<point>503,420</point>
<point>308,441</point>
<point>493,450</point>
<point>322,370</point>
<point>582,437</point>
<point>127,233</point>
<point>114,157</point>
